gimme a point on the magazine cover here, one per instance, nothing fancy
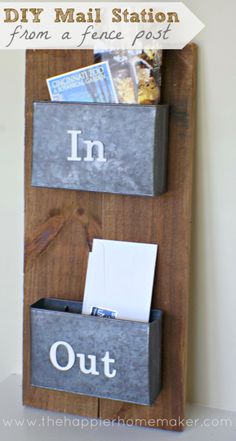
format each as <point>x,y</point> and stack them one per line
<point>89,84</point>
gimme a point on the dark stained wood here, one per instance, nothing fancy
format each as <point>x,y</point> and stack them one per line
<point>60,226</point>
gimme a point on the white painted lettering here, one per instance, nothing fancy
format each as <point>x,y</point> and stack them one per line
<point>53,356</point>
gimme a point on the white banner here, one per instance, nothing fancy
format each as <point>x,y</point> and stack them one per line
<point>42,25</point>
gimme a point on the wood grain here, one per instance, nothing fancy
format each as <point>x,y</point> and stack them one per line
<point>60,226</point>
<point>165,220</point>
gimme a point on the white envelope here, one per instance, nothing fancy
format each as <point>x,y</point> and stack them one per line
<point>120,279</point>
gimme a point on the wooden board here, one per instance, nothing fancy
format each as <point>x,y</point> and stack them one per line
<point>60,226</point>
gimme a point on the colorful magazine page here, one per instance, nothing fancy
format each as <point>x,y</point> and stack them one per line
<point>91,84</point>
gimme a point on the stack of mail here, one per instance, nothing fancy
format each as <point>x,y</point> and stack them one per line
<point>119,280</point>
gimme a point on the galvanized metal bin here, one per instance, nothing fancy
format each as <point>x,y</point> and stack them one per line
<point>100,357</point>
<point>114,148</point>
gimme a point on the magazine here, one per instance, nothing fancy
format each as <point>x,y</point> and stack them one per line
<point>89,84</point>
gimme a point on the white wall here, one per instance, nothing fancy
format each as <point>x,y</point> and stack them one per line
<point>11,208</point>
<point>212,353</point>
<point>212,345</point>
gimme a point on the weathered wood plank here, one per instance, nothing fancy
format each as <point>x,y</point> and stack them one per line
<point>165,220</point>
<point>60,226</point>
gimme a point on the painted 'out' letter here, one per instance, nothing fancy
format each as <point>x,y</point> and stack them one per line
<point>107,360</point>
<point>92,370</point>
<point>53,356</point>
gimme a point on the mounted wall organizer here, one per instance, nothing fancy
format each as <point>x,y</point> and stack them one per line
<point>100,357</point>
<point>60,226</point>
<point>112,148</point>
